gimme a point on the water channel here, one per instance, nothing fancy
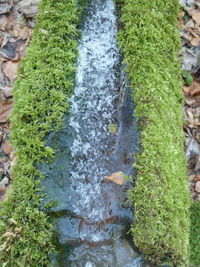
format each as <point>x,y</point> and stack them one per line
<point>99,137</point>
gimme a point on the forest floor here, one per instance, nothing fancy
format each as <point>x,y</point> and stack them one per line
<point>190,34</point>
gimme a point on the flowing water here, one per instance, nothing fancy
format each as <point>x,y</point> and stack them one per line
<point>99,138</point>
<point>93,110</point>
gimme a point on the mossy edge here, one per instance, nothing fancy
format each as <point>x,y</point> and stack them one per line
<point>150,42</point>
<point>45,82</point>
<point>195,234</point>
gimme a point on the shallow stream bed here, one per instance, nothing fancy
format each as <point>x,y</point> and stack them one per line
<point>99,137</point>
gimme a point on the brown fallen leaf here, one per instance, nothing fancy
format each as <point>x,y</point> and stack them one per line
<point>197,187</point>
<point>197,178</point>
<point>6,147</point>
<point>2,194</point>
<point>5,111</point>
<point>186,90</point>
<point>190,114</point>
<point>24,33</point>
<point>192,177</point>
<point>195,40</point>
<point>10,70</point>
<point>196,17</point>
<point>1,40</point>
<point>193,101</point>
<point>194,89</point>
<point>117,177</point>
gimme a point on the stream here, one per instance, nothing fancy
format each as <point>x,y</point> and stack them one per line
<point>99,138</point>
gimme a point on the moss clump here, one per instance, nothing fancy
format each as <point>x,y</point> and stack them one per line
<point>195,234</point>
<point>149,39</point>
<point>187,77</point>
<point>45,81</point>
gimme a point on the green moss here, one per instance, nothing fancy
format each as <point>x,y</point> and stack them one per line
<point>195,234</point>
<point>112,128</point>
<point>149,39</point>
<point>187,77</point>
<point>45,81</point>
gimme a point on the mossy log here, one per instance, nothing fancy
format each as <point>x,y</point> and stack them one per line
<point>45,82</point>
<point>150,42</point>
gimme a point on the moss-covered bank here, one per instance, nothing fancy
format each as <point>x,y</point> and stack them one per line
<point>195,234</point>
<point>149,39</point>
<point>45,80</point>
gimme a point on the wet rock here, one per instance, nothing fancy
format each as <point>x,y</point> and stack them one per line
<point>124,252</point>
<point>28,7</point>
<point>57,183</point>
<point>75,230</point>
<point>119,253</point>
<point>117,177</point>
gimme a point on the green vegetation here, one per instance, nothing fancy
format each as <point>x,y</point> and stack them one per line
<point>195,234</point>
<point>187,77</point>
<point>45,80</point>
<point>149,39</point>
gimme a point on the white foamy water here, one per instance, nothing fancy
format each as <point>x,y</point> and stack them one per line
<point>92,110</point>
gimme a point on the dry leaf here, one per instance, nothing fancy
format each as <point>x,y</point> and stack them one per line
<point>117,177</point>
<point>196,178</point>
<point>193,101</point>
<point>186,90</point>
<point>190,114</point>
<point>6,147</point>
<point>196,17</point>
<point>10,69</point>
<point>195,40</point>
<point>192,177</point>
<point>194,89</point>
<point>2,194</point>
<point>5,110</point>
<point>24,33</point>
<point>197,187</point>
